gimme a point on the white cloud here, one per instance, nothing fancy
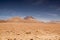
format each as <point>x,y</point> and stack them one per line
<point>58,9</point>
<point>55,15</point>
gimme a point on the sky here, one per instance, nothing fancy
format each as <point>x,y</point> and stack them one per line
<point>44,10</point>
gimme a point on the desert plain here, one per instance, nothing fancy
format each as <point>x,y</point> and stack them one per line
<point>28,29</point>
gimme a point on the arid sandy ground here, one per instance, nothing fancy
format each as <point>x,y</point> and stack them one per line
<point>29,31</point>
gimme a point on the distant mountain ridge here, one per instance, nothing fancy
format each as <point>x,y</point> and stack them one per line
<point>27,19</point>
<point>19,19</point>
<point>54,22</point>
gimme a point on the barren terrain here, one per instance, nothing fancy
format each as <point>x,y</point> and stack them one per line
<point>29,31</point>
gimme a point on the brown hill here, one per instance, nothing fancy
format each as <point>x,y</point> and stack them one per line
<point>3,21</point>
<point>15,19</point>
